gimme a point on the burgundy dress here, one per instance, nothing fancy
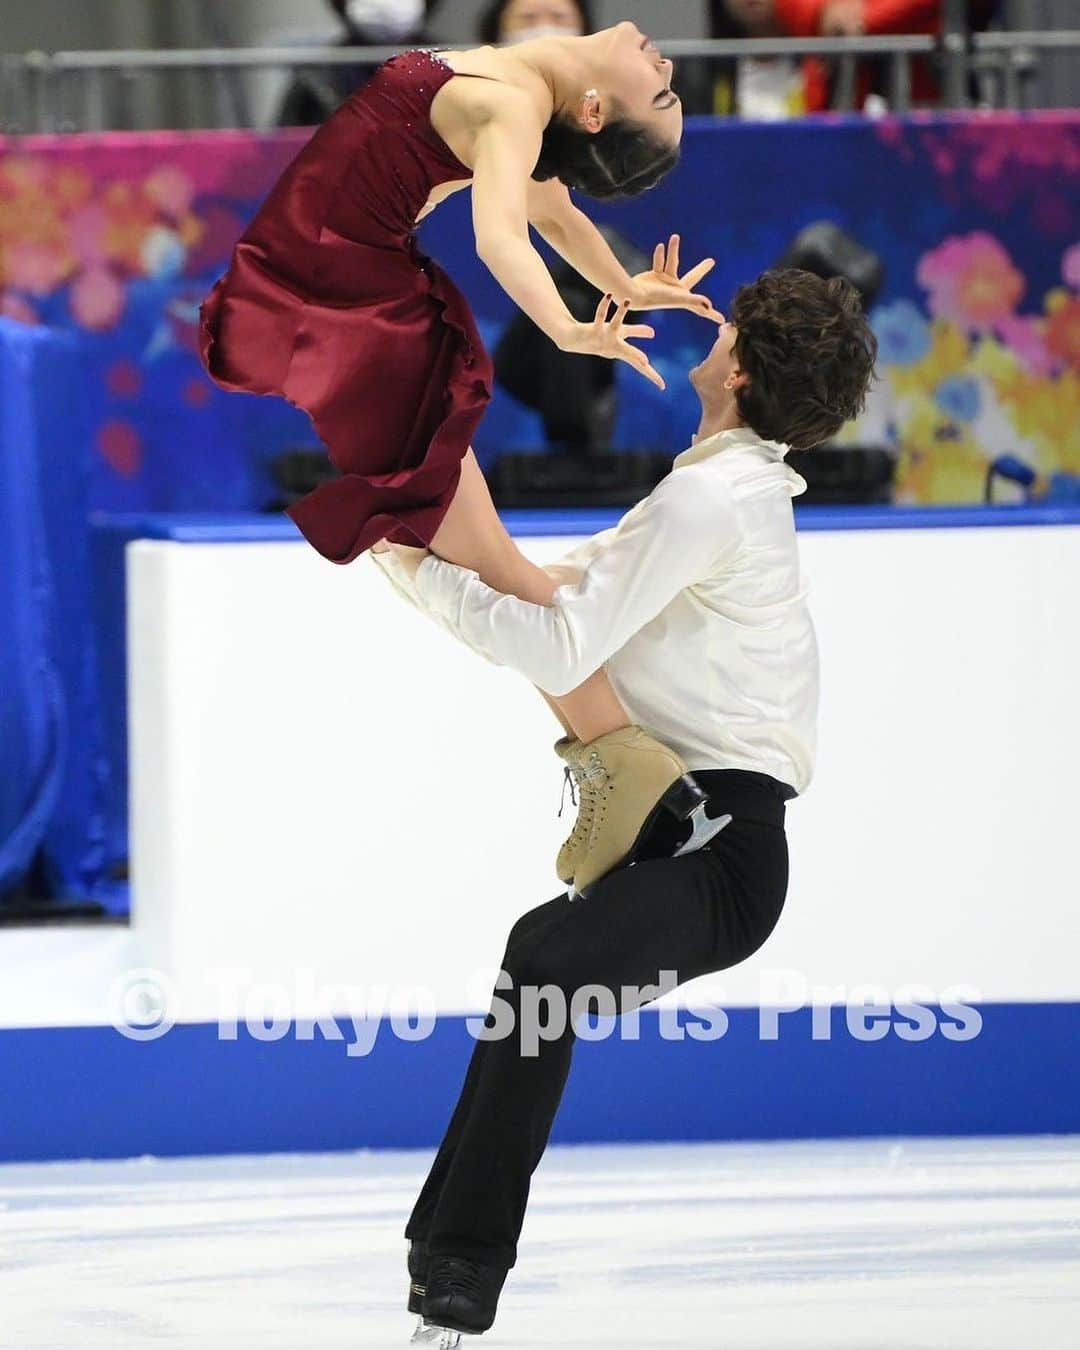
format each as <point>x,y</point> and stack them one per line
<point>329,303</point>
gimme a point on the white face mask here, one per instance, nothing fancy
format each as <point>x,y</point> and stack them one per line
<point>397,17</point>
<point>541,30</point>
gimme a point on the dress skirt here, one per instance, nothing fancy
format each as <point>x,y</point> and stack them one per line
<point>329,303</point>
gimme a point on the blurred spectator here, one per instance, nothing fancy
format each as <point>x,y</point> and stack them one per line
<point>315,94</point>
<point>507,21</point>
<point>763,89</point>
<point>574,395</point>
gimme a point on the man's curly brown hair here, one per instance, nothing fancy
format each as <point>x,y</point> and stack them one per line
<point>809,351</point>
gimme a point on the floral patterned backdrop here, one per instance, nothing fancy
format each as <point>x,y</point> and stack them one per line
<point>117,239</point>
<point>984,359</point>
<point>977,219</point>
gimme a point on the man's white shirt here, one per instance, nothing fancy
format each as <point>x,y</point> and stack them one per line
<point>694,603</point>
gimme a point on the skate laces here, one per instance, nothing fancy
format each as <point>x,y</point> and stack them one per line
<point>584,776</point>
<point>567,778</point>
<point>596,775</point>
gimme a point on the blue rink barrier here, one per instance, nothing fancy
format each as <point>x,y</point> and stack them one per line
<point>87,1092</point>
<point>51,761</point>
<point>204,528</point>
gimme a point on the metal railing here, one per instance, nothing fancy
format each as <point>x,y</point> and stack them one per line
<point>76,90</point>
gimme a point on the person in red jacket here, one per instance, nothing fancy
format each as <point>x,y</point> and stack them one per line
<point>846,18</point>
<point>858,18</point>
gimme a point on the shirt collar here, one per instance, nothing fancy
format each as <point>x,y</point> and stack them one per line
<point>743,438</point>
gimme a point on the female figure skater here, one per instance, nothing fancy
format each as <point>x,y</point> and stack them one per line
<point>329,302</point>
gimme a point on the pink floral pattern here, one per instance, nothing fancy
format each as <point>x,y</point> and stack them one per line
<point>87,226</point>
<point>978,369</point>
<point>998,161</point>
<point>97,298</point>
<point>119,238</point>
<point>971,281</point>
<point>1070,267</point>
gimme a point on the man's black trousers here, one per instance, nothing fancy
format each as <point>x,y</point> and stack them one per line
<point>696,914</point>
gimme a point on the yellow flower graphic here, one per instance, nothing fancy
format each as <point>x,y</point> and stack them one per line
<point>949,355</point>
<point>939,460</point>
<point>1046,412</point>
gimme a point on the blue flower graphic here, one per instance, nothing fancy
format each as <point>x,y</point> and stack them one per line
<point>960,397</point>
<point>902,332</point>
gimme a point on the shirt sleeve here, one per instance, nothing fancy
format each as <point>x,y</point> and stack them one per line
<point>680,534</point>
<point>572,566</point>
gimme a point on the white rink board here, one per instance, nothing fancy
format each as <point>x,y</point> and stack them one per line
<point>324,782</point>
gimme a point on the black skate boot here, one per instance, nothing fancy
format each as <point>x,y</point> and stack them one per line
<point>418,1264</point>
<point>461,1300</point>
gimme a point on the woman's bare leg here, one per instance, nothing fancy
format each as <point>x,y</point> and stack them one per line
<point>472,535</point>
<point>553,704</point>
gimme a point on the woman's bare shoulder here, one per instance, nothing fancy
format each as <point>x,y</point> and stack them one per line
<point>497,85</point>
<point>498,66</point>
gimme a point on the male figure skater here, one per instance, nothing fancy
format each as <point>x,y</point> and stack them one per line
<point>695,604</point>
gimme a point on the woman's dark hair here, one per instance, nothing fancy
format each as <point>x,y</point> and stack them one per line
<point>809,351</point>
<point>620,160</point>
<point>488,30</point>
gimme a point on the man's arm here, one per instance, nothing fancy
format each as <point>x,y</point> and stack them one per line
<point>565,571</point>
<point>680,534</point>
<point>569,569</point>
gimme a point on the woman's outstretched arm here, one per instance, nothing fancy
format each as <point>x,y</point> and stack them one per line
<point>506,147</point>
<point>575,238</point>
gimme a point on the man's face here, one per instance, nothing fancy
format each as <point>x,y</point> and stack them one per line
<point>720,364</point>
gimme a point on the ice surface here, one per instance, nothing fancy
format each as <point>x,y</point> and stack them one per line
<point>851,1245</point>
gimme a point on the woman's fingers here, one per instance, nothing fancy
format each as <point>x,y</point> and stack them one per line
<point>698,273</point>
<point>639,330</point>
<point>615,323</point>
<point>673,256</point>
<point>602,310</point>
<point>632,356</point>
<point>658,258</point>
<point>652,375</point>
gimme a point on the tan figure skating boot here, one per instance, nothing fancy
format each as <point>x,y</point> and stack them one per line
<point>631,778</point>
<point>581,796</point>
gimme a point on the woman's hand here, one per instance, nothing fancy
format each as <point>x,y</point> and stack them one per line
<point>607,337</point>
<point>663,288</point>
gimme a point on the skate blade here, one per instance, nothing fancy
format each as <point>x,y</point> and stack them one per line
<point>442,1338</point>
<point>704,830</point>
